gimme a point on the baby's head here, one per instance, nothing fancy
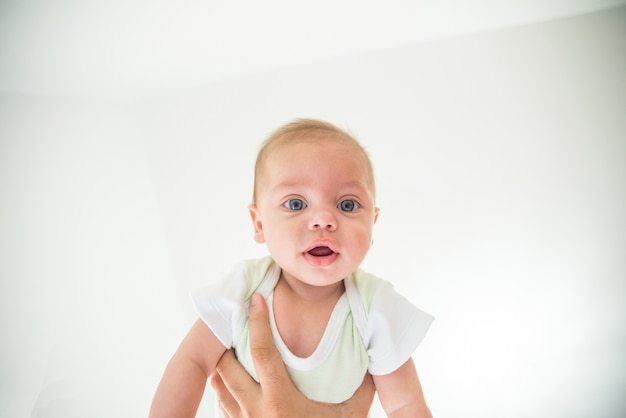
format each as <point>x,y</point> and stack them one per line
<point>311,131</point>
<point>314,201</point>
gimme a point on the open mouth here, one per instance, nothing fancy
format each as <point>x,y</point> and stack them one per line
<point>321,252</point>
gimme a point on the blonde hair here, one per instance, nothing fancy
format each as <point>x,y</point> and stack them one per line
<point>308,130</point>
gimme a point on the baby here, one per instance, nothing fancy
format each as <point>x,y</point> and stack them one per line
<point>314,208</point>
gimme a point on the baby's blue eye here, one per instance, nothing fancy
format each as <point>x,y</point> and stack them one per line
<point>295,204</point>
<point>348,205</point>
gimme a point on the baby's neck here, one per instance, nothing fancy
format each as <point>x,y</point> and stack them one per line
<point>302,314</point>
<point>308,293</point>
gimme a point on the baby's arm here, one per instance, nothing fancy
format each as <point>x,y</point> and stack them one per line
<point>185,377</point>
<point>400,393</point>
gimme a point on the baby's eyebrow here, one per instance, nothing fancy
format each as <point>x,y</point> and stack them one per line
<point>286,187</point>
<point>355,189</point>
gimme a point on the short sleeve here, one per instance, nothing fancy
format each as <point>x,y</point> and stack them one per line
<point>222,306</point>
<point>394,329</point>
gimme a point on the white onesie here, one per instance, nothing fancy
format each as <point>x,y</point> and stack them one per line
<point>372,328</point>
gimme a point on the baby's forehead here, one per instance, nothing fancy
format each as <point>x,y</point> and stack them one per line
<point>294,142</point>
<point>337,149</point>
<point>342,154</point>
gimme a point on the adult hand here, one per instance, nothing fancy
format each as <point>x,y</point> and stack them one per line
<point>276,396</point>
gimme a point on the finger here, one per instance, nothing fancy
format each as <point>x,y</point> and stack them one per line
<point>260,331</point>
<point>234,386</point>
<point>225,413</point>
<point>267,361</point>
<point>227,404</point>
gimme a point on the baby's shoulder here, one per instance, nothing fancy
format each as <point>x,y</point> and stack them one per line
<point>254,271</point>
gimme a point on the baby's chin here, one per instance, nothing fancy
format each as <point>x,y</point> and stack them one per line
<point>322,275</point>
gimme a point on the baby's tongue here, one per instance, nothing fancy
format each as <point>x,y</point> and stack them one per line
<point>321,251</point>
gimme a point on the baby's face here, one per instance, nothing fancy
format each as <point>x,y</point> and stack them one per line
<point>315,210</point>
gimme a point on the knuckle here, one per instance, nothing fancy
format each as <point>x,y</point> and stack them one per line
<point>237,390</point>
<point>261,354</point>
<point>273,370</point>
<point>276,379</point>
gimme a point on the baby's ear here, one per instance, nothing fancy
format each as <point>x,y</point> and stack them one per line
<point>376,212</point>
<point>257,224</point>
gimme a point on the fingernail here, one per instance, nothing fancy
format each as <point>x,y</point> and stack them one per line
<point>255,299</point>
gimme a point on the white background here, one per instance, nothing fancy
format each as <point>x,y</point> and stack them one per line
<point>500,159</point>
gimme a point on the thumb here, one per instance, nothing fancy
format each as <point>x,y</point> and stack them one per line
<point>267,361</point>
<point>260,331</point>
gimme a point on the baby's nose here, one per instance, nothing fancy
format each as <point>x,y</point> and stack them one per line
<point>323,219</point>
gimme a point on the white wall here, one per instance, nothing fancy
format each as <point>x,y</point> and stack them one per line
<point>84,266</point>
<point>500,162</point>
